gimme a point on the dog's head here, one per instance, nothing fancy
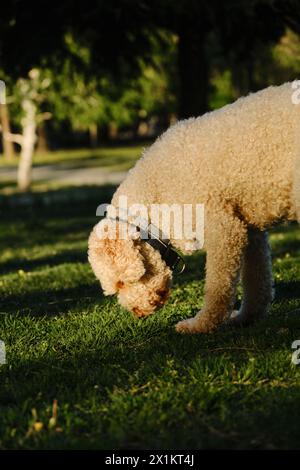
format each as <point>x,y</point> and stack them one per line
<point>130,268</point>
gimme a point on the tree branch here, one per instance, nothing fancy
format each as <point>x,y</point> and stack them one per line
<point>43,116</point>
<point>17,138</point>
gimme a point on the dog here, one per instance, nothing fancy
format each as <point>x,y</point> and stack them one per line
<point>242,162</point>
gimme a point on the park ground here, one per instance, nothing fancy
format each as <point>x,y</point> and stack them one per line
<point>82,373</point>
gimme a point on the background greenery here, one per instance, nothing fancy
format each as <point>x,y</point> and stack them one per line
<point>128,68</point>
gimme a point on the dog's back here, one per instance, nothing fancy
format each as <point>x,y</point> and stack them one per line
<point>246,152</point>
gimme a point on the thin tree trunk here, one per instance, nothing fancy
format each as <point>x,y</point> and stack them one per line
<point>42,141</point>
<point>93,132</point>
<point>8,146</point>
<point>193,68</point>
<point>28,143</point>
<point>112,130</point>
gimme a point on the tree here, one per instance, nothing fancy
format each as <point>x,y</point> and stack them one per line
<point>100,100</point>
<point>8,148</point>
<point>246,30</point>
<point>30,93</point>
<point>117,36</point>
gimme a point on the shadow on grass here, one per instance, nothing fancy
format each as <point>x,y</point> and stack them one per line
<point>7,184</point>
<point>58,200</point>
<point>195,269</point>
<point>43,222</point>
<point>131,384</point>
<point>287,290</point>
<point>50,302</point>
<point>27,265</point>
<point>138,381</point>
<point>116,162</point>
<point>286,246</point>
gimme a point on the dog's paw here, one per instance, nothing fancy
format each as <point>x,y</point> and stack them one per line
<point>192,326</point>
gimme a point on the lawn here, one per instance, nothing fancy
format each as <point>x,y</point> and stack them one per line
<point>115,157</point>
<point>82,373</point>
<point>108,159</point>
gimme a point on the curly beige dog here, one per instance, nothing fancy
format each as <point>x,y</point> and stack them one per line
<point>243,163</point>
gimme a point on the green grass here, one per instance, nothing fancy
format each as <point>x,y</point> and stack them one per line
<point>116,158</point>
<point>126,383</point>
<point>110,159</point>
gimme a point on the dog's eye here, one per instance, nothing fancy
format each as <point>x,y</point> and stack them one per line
<point>162,292</point>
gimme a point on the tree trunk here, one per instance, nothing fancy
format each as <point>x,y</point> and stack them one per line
<point>42,141</point>
<point>27,147</point>
<point>93,132</point>
<point>193,68</point>
<point>112,130</point>
<point>8,146</point>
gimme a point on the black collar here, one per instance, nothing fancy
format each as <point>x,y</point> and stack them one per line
<point>166,250</point>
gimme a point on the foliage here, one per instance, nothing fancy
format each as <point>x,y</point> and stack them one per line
<point>287,52</point>
<point>34,87</point>
<point>122,62</point>
<point>73,97</point>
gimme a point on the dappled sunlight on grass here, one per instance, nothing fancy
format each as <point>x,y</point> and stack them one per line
<point>124,383</point>
<point>59,166</point>
<point>116,157</point>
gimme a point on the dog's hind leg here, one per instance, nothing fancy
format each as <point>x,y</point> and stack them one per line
<point>256,279</point>
<point>226,237</point>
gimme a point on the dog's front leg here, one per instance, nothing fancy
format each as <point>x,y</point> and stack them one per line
<point>225,240</point>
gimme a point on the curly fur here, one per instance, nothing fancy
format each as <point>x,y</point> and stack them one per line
<point>132,269</point>
<point>243,163</point>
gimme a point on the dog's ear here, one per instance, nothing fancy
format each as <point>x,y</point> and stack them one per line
<point>115,262</point>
